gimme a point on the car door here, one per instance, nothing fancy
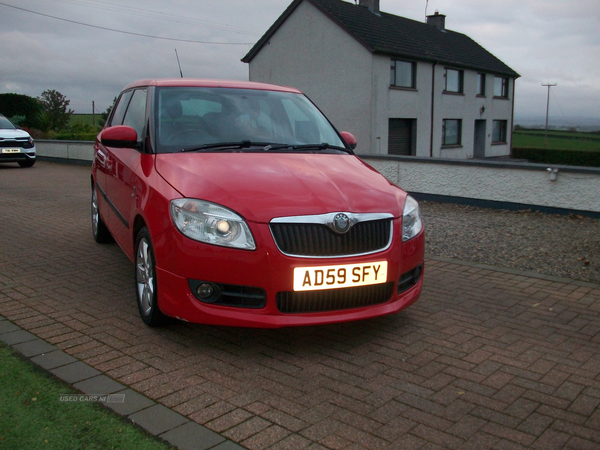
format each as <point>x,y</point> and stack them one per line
<point>103,166</point>
<point>122,169</point>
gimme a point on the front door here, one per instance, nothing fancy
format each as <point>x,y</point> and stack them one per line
<point>479,140</point>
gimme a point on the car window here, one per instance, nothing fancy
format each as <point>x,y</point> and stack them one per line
<point>121,108</point>
<point>136,112</point>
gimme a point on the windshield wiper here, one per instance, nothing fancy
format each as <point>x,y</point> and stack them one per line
<point>323,146</point>
<point>226,146</point>
<point>265,146</point>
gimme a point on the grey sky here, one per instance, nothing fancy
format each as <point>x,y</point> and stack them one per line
<point>555,41</point>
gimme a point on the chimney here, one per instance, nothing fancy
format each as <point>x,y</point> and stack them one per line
<point>437,20</point>
<point>373,5</point>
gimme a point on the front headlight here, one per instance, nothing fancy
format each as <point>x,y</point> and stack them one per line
<point>211,223</point>
<point>411,219</point>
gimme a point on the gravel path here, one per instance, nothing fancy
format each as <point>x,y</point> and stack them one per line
<point>556,245</point>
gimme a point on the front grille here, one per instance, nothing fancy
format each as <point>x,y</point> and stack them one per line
<point>318,240</point>
<point>333,299</point>
<point>20,143</point>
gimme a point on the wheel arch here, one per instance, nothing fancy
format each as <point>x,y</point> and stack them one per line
<point>138,224</point>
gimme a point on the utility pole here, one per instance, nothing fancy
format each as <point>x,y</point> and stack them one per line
<point>93,114</point>
<point>547,108</point>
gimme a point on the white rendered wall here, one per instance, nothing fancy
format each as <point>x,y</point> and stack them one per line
<point>529,184</point>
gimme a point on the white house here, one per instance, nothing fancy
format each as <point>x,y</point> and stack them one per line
<point>400,86</point>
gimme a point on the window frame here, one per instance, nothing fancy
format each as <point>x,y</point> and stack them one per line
<point>458,142</point>
<point>461,81</point>
<point>394,74</point>
<point>500,137</point>
<point>481,82</point>
<point>503,93</point>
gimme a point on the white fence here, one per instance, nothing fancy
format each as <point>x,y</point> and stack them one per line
<point>492,183</point>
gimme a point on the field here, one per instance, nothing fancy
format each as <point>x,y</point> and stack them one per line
<point>87,119</point>
<point>557,140</point>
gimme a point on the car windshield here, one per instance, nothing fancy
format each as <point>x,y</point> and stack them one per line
<point>6,124</point>
<point>197,118</point>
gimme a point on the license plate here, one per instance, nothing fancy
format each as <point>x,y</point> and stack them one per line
<point>11,150</point>
<point>342,276</point>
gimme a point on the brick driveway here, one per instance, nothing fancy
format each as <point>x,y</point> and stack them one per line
<point>488,358</point>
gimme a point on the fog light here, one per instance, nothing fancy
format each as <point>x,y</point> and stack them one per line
<point>205,290</point>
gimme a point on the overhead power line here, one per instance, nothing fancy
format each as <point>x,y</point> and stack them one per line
<point>125,32</point>
<point>145,12</point>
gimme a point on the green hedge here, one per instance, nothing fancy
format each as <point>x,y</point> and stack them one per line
<point>560,157</point>
<point>73,136</point>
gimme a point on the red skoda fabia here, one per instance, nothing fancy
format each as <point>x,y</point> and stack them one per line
<point>240,204</point>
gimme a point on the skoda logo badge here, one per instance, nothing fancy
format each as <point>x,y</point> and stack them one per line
<point>341,223</point>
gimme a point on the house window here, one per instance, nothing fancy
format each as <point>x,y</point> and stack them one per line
<point>451,132</point>
<point>403,74</point>
<point>501,87</point>
<point>499,131</point>
<point>454,81</point>
<point>481,84</point>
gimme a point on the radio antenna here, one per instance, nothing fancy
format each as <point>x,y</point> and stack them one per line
<point>180,72</point>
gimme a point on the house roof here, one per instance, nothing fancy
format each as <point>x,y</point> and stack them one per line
<point>399,37</point>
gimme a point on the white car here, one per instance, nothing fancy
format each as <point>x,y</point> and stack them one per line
<point>15,145</point>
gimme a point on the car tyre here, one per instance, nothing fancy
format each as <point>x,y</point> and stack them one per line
<point>145,281</point>
<point>99,229</point>
<point>27,163</point>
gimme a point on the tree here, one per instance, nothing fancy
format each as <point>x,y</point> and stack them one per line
<point>55,105</point>
<point>12,105</point>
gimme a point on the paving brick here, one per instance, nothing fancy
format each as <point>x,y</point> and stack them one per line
<point>17,337</point>
<point>34,348</point>
<point>53,359</point>
<point>133,402</point>
<point>157,419</point>
<point>191,436</point>
<point>99,385</point>
<point>551,440</point>
<point>74,372</point>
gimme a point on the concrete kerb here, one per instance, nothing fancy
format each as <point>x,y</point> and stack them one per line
<point>155,418</point>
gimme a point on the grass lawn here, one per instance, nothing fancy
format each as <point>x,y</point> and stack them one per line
<point>32,417</point>
<point>556,140</point>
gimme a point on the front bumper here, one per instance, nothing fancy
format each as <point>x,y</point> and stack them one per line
<point>26,154</point>
<point>183,264</point>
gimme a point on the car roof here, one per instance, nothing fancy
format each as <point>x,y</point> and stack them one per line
<point>210,83</point>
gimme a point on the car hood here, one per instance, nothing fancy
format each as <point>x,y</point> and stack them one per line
<point>262,186</point>
<point>12,134</point>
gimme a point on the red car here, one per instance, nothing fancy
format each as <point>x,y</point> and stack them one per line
<point>240,204</point>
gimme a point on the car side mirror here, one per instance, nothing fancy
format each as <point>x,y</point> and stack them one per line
<point>119,136</point>
<point>350,139</point>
